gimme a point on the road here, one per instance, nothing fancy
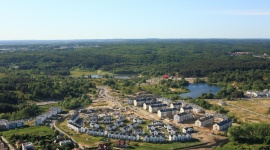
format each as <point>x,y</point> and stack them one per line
<point>67,135</point>
<point>9,145</point>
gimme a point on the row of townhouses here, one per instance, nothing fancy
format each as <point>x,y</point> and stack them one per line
<point>52,111</point>
<point>7,125</point>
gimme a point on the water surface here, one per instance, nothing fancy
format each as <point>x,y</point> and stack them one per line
<point>196,90</point>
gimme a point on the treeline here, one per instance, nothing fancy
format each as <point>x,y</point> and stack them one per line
<point>20,112</point>
<point>257,133</point>
<point>45,87</point>
<point>72,103</point>
<point>206,105</point>
<point>187,58</point>
<point>254,79</point>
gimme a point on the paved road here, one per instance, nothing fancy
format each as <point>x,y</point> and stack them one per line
<point>9,145</point>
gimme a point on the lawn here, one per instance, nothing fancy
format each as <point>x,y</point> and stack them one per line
<point>164,146</point>
<point>239,146</point>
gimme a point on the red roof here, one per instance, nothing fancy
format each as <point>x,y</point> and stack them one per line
<point>165,76</point>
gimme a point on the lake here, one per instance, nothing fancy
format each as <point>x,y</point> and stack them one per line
<point>196,90</point>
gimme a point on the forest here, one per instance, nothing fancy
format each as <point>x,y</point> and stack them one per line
<point>42,71</point>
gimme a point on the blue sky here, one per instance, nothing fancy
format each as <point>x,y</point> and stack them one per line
<point>109,19</point>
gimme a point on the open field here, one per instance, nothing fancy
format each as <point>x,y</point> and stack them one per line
<point>245,116</point>
<point>32,130</point>
<point>78,72</point>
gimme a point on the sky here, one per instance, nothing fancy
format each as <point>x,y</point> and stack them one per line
<point>133,19</point>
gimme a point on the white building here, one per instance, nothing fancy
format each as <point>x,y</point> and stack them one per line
<point>181,117</point>
<point>223,125</point>
<point>205,121</point>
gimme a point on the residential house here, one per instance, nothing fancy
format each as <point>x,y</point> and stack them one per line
<point>223,125</point>
<point>169,112</point>
<point>181,117</point>
<point>4,124</point>
<point>165,100</point>
<point>74,126</point>
<point>61,143</point>
<point>157,123</point>
<point>153,108</point>
<point>74,118</point>
<point>147,104</point>
<point>187,109</point>
<point>93,119</point>
<point>188,130</point>
<point>177,105</point>
<point>137,120</point>
<point>141,100</point>
<point>130,101</point>
<point>204,121</point>
<point>28,146</point>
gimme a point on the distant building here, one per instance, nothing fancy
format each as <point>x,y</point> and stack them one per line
<point>205,121</point>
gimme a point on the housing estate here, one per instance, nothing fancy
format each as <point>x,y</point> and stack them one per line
<point>52,111</point>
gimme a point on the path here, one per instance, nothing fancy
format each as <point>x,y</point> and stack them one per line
<point>9,145</point>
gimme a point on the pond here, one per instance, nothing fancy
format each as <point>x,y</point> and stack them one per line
<point>196,90</point>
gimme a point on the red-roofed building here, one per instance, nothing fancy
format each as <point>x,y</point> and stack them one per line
<point>165,76</point>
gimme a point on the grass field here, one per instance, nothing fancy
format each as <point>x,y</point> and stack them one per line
<point>238,146</point>
<point>33,130</point>
<point>245,116</point>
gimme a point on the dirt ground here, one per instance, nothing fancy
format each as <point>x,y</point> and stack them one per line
<point>256,105</point>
